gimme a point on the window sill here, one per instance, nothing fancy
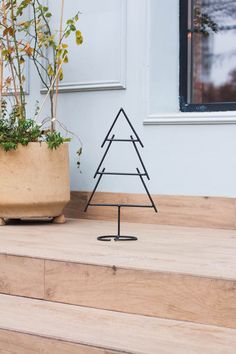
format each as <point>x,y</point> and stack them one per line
<point>206,118</point>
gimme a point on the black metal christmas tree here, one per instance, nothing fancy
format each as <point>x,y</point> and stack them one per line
<point>134,140</point>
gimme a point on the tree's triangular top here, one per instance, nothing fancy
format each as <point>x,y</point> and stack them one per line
<point>122,111</point>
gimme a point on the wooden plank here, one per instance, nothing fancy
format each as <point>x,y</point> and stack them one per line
<point>167,295</point>
<point>20,343</point>
<point>21,276</point>
<point>210,212</point>
<point>193,251</point>
<point>112,331</point>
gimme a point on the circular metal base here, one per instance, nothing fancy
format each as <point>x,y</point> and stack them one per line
<point>117,238</point>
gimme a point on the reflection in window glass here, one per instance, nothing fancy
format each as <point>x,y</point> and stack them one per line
<point>211,51</point>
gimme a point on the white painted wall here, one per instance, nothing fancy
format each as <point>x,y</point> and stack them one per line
<point>134,43</point>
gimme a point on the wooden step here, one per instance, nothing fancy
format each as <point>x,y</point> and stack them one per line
<point>36,326</point>
<point>171,272</point>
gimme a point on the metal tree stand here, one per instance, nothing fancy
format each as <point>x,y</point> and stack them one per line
<point>134,140</point>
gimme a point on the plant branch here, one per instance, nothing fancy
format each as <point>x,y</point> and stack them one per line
<point>22,94</point>
<point>57,81</point>
<point>9,54</point>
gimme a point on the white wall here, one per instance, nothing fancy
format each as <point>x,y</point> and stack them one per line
<point>134,43</point>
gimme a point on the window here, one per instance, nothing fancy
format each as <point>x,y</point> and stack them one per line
<point>207,55</point>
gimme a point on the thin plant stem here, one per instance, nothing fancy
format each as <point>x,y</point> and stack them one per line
<point>15,92</point>
<point>19,74</point>
<point>52,81</point>
<point>49,91</point>
<point>57,81</point>
<point>37,63</point>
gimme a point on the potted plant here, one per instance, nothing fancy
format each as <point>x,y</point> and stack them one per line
<point>34,163</point>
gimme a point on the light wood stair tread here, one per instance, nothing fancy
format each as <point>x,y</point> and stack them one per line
<point>112,330</point>
<point>195,251</point>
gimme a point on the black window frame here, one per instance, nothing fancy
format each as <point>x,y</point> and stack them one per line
<point>183,71</point>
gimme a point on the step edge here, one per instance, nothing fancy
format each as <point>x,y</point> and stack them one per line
<point>46,259</point>
<point>116,351</point>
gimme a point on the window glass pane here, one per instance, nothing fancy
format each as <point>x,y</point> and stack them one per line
<point>212,51</point>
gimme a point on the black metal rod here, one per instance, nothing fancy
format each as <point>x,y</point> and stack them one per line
<point>121,205</point>
<point>105,154</point>
<point>94,190</point>
<point>121,174</point>
<point>118,233</point>
<point>131,126</point>
<point>139,156</point>
<point>111,127</point>
<point>123,140</point>
<point>147,191</point>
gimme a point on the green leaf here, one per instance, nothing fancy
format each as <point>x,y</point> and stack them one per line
<point>79,37</point>
<point>72,28</point>
<point>50,70</point>
<point>65,59</point>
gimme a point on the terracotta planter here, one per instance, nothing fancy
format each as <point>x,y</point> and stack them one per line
<point>34,182</point>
